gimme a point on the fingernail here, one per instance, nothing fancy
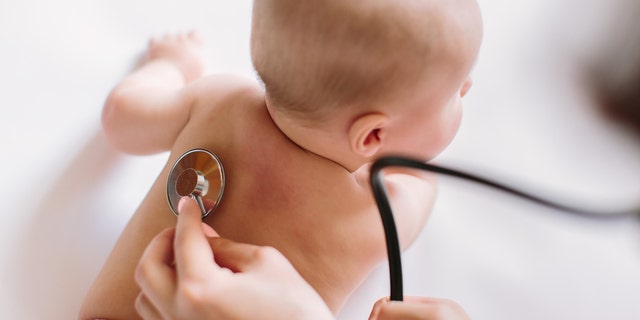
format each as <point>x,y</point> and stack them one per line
<point>182,202</point>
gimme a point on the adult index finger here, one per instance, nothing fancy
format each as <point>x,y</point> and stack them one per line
<point>191,248</point>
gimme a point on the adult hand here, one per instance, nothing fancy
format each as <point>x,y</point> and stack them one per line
<point>417,308</point>
<point>183,274</point>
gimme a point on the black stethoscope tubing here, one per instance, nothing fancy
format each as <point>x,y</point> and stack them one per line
<point>388,223</point>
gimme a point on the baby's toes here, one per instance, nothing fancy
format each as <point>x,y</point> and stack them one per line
<point>196,37</point>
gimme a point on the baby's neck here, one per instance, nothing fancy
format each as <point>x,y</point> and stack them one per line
<point>324,138</point>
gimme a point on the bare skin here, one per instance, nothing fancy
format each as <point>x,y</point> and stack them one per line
<point>277,194</point>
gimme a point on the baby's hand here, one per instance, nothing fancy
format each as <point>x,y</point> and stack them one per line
<point>185,51</point>
<point>417,308</point>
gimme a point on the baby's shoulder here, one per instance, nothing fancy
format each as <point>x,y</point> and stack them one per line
<point>224,89</point>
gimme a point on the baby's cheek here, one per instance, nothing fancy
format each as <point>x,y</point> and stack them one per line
<point>413,214</point>
<point>456,118</point>
<point>411,227</point>
<point>452,122</point>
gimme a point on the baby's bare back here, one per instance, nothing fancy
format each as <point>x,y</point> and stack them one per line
<point>277,194</point>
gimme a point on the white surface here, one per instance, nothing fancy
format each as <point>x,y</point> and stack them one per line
<point>66,195</point>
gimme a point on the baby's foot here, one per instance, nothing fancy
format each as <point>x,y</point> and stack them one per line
<point>183,50</point>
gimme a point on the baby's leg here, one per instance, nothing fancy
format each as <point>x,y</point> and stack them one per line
<point>182,50</point>
<point>145,112</point>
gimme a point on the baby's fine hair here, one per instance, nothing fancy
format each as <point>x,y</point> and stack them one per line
<point>317,55</point>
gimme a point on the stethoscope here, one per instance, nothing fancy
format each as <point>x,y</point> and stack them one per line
<point>199,173</point>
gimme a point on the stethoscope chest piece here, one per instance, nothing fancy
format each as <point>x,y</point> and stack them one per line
<point>199,174</point>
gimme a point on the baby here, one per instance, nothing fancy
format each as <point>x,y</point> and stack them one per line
<point>345,82</point>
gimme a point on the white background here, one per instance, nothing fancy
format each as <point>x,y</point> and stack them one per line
<point>65,194</point>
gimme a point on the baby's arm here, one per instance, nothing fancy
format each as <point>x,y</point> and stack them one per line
<point>146,111</point>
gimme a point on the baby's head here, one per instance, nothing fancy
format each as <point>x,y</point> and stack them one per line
<point>353,80</point>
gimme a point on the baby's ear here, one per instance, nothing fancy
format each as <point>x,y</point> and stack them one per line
<point>366,134</point>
